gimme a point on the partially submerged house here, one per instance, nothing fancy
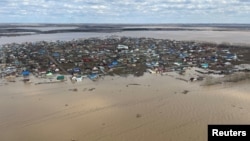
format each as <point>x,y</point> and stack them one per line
<point>93,76</point>
<point>25,73</point>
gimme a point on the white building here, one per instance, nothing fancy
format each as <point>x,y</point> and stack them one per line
<point>122,47</point>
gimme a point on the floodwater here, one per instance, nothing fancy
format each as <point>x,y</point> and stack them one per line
<point>48,28</point>
<point>147,108</point>
<point>233,37</point>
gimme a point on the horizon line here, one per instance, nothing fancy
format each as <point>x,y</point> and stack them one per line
<point>54,23</point>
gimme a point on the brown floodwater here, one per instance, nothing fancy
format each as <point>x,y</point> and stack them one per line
<point>152,107</point>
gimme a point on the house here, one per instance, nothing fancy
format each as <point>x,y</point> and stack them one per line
<point>77,78</point>
<point>204,65</point>
<point>122,47</point>
<point>42,51</point>
<point>93,76</point>
<point>113,64</point>
<point>177,63</point>
<point>76,70</point>
<point>62,60</point>
<point>60,77</point>
<point>231,57</point>
<point>49,75</point>
<point>25,73</point>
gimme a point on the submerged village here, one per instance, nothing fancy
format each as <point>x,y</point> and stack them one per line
<point>93,58</point>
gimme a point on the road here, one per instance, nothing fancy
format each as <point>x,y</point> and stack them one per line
<point>57,64</point>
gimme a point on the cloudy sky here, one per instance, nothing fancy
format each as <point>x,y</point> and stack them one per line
<point>125,11</point>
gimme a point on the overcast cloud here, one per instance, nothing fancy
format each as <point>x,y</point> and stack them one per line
<point>125,11</point>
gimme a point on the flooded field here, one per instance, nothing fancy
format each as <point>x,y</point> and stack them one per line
<point>146,108</point>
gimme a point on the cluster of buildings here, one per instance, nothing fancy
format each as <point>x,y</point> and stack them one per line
<point>95,57</point>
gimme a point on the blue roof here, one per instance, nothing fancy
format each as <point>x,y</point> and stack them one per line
<point>172,51</point>
<point>92,76</point>
<point>230,56</point>
<point>152,46</point>
<point>183,55</point>
<point>114,63</point>
<point>42,51</point>
<point>56,54</point>
<point>25,73</point>
<point>76,69</point>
